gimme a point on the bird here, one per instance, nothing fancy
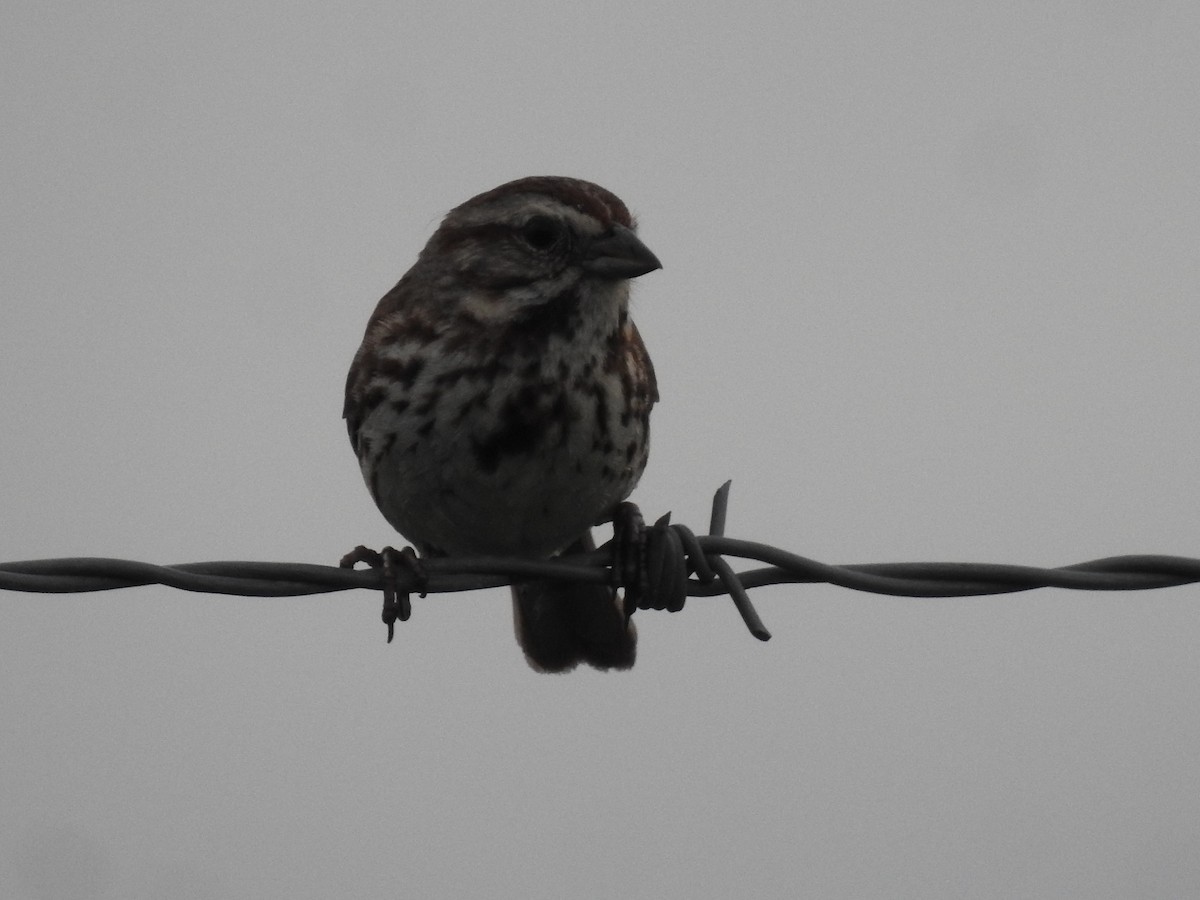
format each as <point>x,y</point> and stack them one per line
<point>499,403</point>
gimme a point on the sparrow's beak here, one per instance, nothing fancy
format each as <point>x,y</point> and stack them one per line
<point>618,254</point>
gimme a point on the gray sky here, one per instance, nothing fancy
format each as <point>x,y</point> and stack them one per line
<point>930,292</point>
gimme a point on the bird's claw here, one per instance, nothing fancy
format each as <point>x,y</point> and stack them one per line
<point>391,562</point>
<point>629,553</point>
<point>650,562</point>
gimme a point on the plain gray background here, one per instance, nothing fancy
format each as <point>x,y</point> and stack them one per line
<point>930,292</point>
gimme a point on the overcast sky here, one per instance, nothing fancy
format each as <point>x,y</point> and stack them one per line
<point>930,290</point>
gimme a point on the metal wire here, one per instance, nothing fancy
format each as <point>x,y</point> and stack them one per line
<point>678,563</point>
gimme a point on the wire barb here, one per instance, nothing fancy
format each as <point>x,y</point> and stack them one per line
<point>716,528</point>
<point>652,563</point>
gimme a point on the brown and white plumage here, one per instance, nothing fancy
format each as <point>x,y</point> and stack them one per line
<point>500,400</point>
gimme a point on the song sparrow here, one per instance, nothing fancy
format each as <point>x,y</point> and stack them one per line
<point>500,401</point>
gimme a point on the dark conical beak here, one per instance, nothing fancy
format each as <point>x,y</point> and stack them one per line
<point>619,254</point>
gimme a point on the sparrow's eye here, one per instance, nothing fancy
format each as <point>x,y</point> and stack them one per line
<point>541,232</point>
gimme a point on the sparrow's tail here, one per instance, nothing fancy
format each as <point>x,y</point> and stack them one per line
<point>560,624</point>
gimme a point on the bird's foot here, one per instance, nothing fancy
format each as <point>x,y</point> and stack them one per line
<point>393,565</point>
<point>629,553</point>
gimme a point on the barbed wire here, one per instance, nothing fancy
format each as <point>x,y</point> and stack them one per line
<point>659,566</point>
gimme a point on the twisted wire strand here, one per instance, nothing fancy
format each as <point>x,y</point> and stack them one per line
<point>677,564</point>
<point>74,575</point>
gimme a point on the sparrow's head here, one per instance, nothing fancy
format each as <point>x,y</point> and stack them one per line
<point>534,241</point>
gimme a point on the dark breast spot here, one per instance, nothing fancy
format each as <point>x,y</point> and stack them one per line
<point>402,371</point>
<point>526,419</point>
<point>601,399</point>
